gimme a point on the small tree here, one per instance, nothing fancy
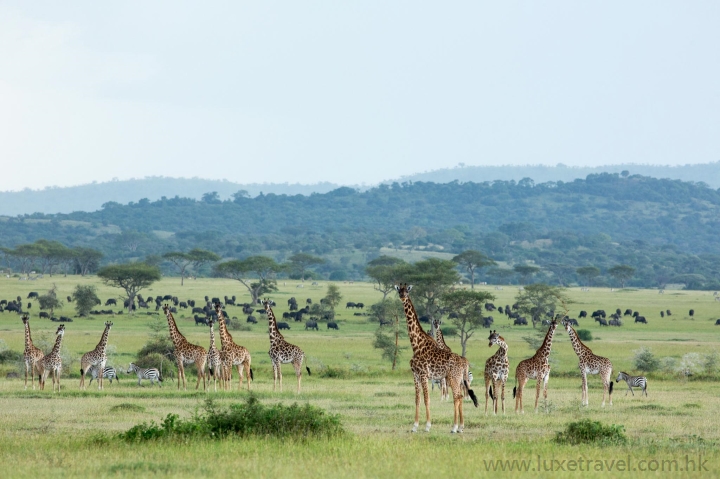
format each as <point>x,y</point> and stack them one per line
<point>262,267</point>
<point>300,262</point>
<point>386,272</point>
<point>472,260</point>
<point>50,300</point>
<point>525,271</point>
<point>539,299</point>
<point>502,275</point>
<point>195,258</point>
<point>389,343</point>
<point>645,361</point>
<point>589,273</point>
<point>85,298</point>
<point>468,307</point>
<point>132,277</point>
<point>86,260</point>
<point>333,296</point>
<point>622,273</point>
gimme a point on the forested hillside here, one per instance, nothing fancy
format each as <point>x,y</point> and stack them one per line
<point>667,230</point>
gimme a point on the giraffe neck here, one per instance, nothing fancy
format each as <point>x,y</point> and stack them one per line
<point>544,351</point>
<point>418,336</point>
<point>28,339</point>
<point>175,335</point>
<point>56,349</point>
<point>103,341</point>
<point>440,338</point>
<point>275,335</point>
<point>212,336</point>
<point>225,337</point>
<point>577,345</point>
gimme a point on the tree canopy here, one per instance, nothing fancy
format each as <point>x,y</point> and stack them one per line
<point>467,306</point>
<point>131,277</point>
<point>539,299</point>
<point>473,260</point>
<point>260,268</point>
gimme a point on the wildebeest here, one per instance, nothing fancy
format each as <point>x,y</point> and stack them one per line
<point>601,321</point>
<point>489,307</point>
<point>487,321</point>
<point>520,321</point>
<point>200,320</point>
<point>308,301</point>
<point>349,304</point>
<point>583,314</point>
<point>182,304</point>
<point>628,312</point>
<point>360,305</point>
<point>283,325</point>
<point>332,325</point>
<point>640,319</point>
<point>310,324</point>
<point>251,319</point>
<point>692,312</point>
<point>198,310</point>
<point>111,301</point>
<point>572,321</point>
<point>32,294</point>
<point>168,297</point>
<point>45,315</point>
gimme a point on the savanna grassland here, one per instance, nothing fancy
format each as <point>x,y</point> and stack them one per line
<point>74,433</point>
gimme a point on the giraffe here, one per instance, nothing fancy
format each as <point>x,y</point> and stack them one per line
<point>213,359</point>
<point>444,395</point>
<point>32,354</point>
<point>282,352</point>
<point>232,354</point>
<point>497,368</point>
<point>429,362</point>
<point>53,362</point>
<point>536,367</point>
<point>589,363</point>
<point>185,352</point>
<point>97,357</point>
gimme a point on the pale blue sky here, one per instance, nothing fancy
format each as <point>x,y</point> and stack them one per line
<point>350,92</point>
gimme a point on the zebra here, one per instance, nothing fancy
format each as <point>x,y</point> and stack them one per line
<point>108,373</point>
<point>150,373</point>
<point>633,381</point>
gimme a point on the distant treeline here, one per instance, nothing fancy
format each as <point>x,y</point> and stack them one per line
<point>667,230</point>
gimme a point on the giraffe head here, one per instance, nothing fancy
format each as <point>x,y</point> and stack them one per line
<point>108,324</point>
<point>403,289</point>
<point>495,338</point>
<point>436,324</point>
<point>25,319</point>
<point>60,330</point>
<point>566,324</point>
<point>166,308</point>
<point>266,304</point>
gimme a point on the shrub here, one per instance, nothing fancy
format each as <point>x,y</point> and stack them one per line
<point>645,360</point>
<point>587,431</point>
<point>249,419</point>
<point>584,334</point>
<point>126,406</point>
<point>236,325</point>
<point>690,364</point>
<point>449,331</point>
<point>334,373</point>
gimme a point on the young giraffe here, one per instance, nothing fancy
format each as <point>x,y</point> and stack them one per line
<point>213,359</point>
<point>536,367</point>
<point>444,394</point>
<point>429,362</point>
<point>185,352</point>
<point>32,354</point>
<point>97,357</point>
<point>589,363</point>
<point>497,368</point>
<point>282,352</point>
<point>53,362</point>
<point>232,354</point>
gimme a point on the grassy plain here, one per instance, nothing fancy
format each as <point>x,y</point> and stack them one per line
<point>72,434</point>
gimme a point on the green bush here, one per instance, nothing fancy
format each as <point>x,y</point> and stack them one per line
<point>584,334</point>
<point>236,325</point>
<point>249,419</point>
<point>10,356</point>
<point>334,373</point>
<point>587,431</point>
<point>449,331</point>
<point>645,360</point>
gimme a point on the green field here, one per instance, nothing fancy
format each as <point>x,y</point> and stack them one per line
<point>72,434</point>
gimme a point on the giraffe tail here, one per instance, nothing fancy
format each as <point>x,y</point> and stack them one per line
<point>252,378</point>
<point>471,393</point>
<point>611,386</point>
<point>514,391</point>
<point>306,366</point>
<point>491,394</point>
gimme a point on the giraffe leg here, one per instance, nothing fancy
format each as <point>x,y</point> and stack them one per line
<point>519,395</point>
<point>537,392</point>
<point>280,375</point>
<point>584,389</point>
<point>417,402</point>
<point>102,381</point>
<point>426,398</point>
<point>502,395</point>
<point>275,376</point>
<point>298,373</point>
<point>496,401</point>
<point>545,383</point>
<point>181,375</point>
<point>27,367</point>
<point>457,406</point>
<point>247,372</point>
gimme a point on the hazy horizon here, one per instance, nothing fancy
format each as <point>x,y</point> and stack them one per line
<point>350,94</point>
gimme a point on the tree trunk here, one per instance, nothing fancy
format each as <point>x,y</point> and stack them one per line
<point>472,278</point>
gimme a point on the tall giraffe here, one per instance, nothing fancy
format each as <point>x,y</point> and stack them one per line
<point>32,354</point>
<point>497,368</point>
<point>213,359</point>
<point>53,362</point>
<point>536,367</point>
<point>232,354</point>
<point>589,363</point>
<point>443,345</point>
<point>282,352</point>
<point>429,362</point>
<point>97,357</point>
<point>185,352</point>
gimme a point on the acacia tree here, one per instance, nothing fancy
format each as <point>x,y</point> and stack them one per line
<point>50,300</point>
<point>501,274</point>
<point>86,259</point>
<point>525,271</point>
<point>85,298</point>
<point>261,267</point>
<point>468,308</point>
<point>622,273</point>
<point>386,272</point>
<point>539,299</point>
<point>132,277</point>
<point>196,258</point>
<point>473,260</point>
<point>300,262</point>
<point>430,278</point>
<point>51,254</point>
<point>589,273</point>
<point>332,297</point>
<point>561,271</point>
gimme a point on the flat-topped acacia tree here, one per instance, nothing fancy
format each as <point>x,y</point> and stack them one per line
<point>195,258</point>
<point>261,267</point>
<point>132,277</point>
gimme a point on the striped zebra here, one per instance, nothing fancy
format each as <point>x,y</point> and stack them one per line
<point>108,373</point>
<point>633,382</point>
<point>150,373</point>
